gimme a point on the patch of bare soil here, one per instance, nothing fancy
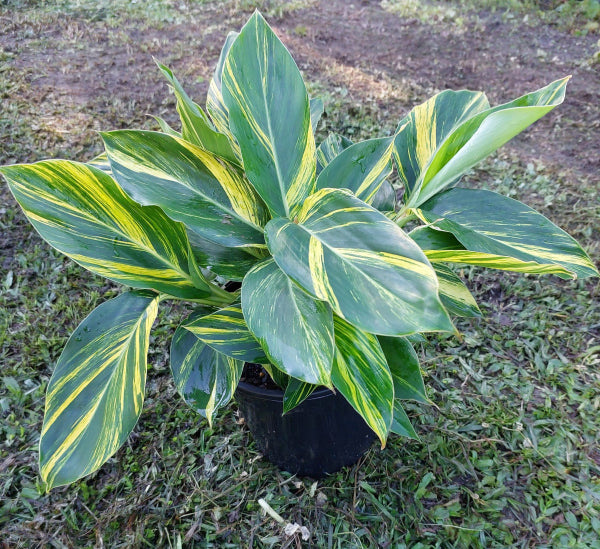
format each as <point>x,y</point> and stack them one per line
<point>374,54</point>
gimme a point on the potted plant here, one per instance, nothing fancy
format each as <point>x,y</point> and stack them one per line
<point>333,288</point>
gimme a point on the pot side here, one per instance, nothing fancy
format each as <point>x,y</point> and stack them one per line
<point>319,436</point>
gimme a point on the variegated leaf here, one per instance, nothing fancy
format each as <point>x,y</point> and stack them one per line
<point>360,372</point>
<point>269,115</point>
<point>205,378</point>
<point>95,396</point>
<point>296,392</point>
<point>423,130</point>
<point>360,168</point>
<point>443,247</point>
<point>345,252</point>
<point>404,367</point>
<point>231,263</point>
<point>226,332</point>
<point>164,127</point>
<point>195,125</point>
<point>210,196</point>
<point>333,145</point>
<point>401,425</point>
<point>214,101</point>
<point>84,214</point>
<point>480,135</point>
<point>455,296</point>
<point>385,198</point>
<point>295,330</point>
<point>487,222</point>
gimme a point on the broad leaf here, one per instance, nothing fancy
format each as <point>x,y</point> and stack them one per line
<point>423,130</point>
<point>84,214</point>
<point>296,392</point>
<point>361,374</point>
<point>214,101</point>
<point>95,396</point>
<point>333,145</point>
<point>486,222</point>
<point>316,111</point>
<point>385,198</point>
<point>345,252</point>
<point>361,168</point>
<point>295,330</point>
<point>404,367</point>
<point>455,296</point>
<point>231,263</point>
<point>189,184</point>
<point>195,126</point>
<point>480,135</point>
<point>443,247</point>
<point>401,425</point>
<point>269,115</point>
<point>226,332</point>
<point>205,378</point>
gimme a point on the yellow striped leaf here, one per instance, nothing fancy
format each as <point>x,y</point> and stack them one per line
<point>205,378</point>
<point>487,222</point>
<point>296,392</point>
<point>191,185</point>
<point>423,130</point>
<point>84,214</point>
<point>333,145</point>
<point>345,252</point>
<point>360,372</point>
<point>269,115</point>
<point>226,332</point>
<point>195,125</point>
<point>455,296</point>
<point>473,139</point>
<point>95,395</point>
<point>214,102</point>
<point>295,331</point>
<point>360,168</point>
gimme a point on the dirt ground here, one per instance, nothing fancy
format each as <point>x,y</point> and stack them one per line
<point>377,56</point>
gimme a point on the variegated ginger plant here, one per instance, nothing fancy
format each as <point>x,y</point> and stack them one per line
<point>332,286</point>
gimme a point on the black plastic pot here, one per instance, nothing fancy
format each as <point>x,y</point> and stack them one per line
<point>320,436</point>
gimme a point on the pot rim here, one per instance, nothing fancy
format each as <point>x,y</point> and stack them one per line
<point>276,395</point>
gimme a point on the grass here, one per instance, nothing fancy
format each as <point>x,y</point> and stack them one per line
<point>508,455</point>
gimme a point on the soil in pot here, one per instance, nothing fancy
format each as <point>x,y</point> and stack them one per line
<point>320,436</point>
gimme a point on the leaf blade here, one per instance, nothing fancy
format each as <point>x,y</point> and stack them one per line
<point>94,399</point>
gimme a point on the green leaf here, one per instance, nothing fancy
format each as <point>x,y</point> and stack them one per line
<point>231,263</point>
<point>95,395</point>
<point>360,168</point>
<point>486,222</point>
<point>164,127</point>
<point>84,214</point>
<point>214,101</point>
<point>480,135</point>
<point>455,296</point>
<point>195,126</point>
<point>385,198</point>
<point>210,196</point>
<point>269,114</point>
<point>295,331</point>
<point>361,374</point>
<point>423,130</point>
<point>401,424</point>
<point>316,111</point>
<point>205,378</point>
<point>226,332</point>
<point>345,252</point>
<point>333,145</point>
<point>296,392</point>
<point>404,367</point>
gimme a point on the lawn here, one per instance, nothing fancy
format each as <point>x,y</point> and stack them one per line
<point>509,453</point>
